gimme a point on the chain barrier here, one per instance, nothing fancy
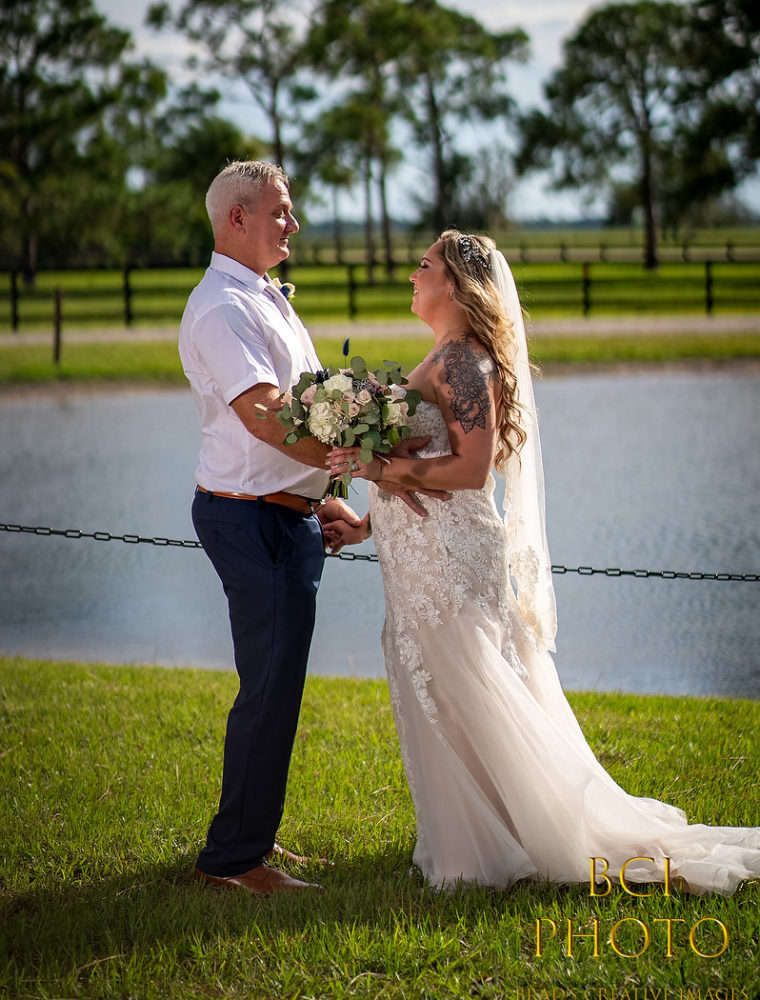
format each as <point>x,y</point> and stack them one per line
<point>610,571</point>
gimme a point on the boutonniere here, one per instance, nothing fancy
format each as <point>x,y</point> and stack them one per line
<point>287,288</point>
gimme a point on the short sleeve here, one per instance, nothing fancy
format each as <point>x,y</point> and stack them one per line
<point>233,350</point>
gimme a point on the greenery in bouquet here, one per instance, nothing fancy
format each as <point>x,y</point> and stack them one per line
<point>347,407</point>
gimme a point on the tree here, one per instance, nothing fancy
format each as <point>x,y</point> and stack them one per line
<point>61,69</point>
<point>452,71</point>
<point>251,40</point>
<point>614,103</point>
<point>727,55</point>
<point>365,40</point>
<point>481,198</point>
<point>328,152</point>
<point>348,139</point>
<point>184,145</point>
<point>717,143</point>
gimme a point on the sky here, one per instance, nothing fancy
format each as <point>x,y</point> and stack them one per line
<point>546,22</point>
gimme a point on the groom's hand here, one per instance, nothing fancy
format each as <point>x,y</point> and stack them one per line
<point>335,509</point>
<point>339,533</point>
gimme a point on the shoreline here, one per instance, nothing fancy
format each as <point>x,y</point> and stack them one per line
<point>702,366</point>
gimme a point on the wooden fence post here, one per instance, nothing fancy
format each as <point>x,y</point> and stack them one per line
<point>57,323</point>
<point>128,315</point>
<point>14,301</point>
<point>586,288</point>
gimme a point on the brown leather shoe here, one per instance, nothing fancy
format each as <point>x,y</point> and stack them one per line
<point>259,881</point>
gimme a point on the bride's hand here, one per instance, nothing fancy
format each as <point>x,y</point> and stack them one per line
<point>342,460</point>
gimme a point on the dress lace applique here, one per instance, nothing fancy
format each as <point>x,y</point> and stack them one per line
<point>438,565</point>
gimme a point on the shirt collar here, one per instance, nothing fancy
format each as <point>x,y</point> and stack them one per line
<point>228,265</point>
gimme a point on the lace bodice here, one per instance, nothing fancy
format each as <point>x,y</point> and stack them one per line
<point>435,566</point>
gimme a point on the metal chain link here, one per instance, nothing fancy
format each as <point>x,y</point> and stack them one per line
<point>611,571</point>
<point>99,536</point>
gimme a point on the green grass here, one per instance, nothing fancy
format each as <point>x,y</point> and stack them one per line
<point>108,777</point>
<point>96,298</point>
<point>157,362</point>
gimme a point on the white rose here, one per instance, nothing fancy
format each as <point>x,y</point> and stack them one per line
<point>395,414</point>
<point>338,383</point>
<point>325,423</point>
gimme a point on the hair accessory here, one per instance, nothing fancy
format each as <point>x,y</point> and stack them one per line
<point>471,252</point>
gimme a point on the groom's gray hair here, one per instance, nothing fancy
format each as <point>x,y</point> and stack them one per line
<point>240,183</point>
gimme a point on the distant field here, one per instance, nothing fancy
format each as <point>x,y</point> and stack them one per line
<point>517,240</point>
<point>323,293</point>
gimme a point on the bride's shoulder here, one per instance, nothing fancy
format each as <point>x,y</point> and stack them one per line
<point>463,354</point>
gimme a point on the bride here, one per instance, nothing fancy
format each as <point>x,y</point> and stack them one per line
<point>504,785</point>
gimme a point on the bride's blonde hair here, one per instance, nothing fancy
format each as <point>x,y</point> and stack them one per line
<point>467,264</point>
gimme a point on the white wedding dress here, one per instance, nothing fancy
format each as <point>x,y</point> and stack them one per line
<point>504,785</point>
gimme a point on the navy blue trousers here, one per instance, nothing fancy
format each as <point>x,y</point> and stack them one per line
<point>269,559</point>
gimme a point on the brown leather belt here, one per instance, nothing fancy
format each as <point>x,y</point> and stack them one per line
<point>302,504</point>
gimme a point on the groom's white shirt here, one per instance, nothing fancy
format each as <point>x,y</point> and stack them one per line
<point>233,337</point>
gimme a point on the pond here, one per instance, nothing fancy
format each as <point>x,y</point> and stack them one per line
<point>644,470</point>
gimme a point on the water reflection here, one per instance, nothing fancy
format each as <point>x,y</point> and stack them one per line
<point>642,470</point>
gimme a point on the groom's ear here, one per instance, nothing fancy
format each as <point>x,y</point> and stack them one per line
<point>237,217</point>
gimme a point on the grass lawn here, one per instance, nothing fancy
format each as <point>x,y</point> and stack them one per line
<point>158,361</point>
<point>110,774</point>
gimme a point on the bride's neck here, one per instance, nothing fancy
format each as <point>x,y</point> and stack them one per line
<point>450,324</point>
<point>444,334</point>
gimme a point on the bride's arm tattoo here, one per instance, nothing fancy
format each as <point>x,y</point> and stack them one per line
<point>468,373</point>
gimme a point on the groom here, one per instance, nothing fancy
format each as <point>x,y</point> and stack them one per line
<point>241,346</point>
<point>258,510</point>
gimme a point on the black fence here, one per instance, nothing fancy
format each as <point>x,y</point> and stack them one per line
<point>354,290</point>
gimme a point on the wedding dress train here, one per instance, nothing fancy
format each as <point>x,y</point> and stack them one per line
<point>504,785</point>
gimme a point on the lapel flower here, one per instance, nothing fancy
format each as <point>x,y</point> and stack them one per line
<point>287,288</point>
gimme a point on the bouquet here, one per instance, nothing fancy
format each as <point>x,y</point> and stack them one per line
<point>347,407</point>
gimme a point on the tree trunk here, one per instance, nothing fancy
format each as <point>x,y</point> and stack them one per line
<point>30,258</point>
<point>647,203</point>
<point>440,206</point>
<point>390,266</point>
<point>337,231</point>
<point>369,225</point>
<point>278,147</point>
